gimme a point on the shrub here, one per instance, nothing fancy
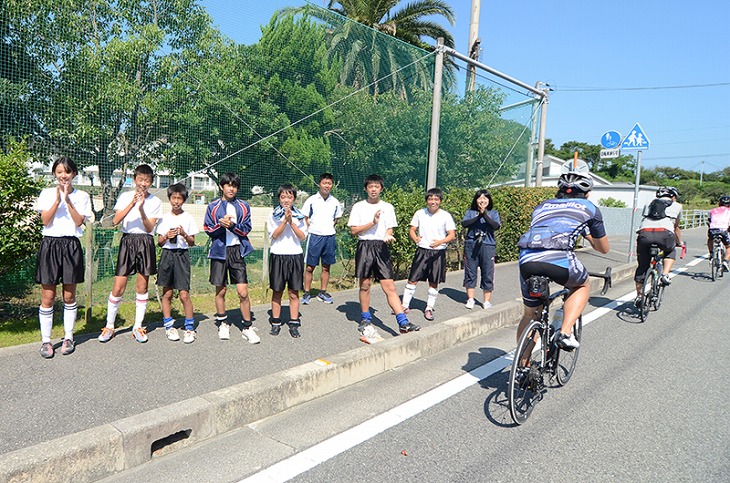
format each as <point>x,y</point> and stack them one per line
<point>611,203</point>
<point>20,225</point>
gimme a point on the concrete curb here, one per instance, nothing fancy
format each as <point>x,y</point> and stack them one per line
<point>104,450</point>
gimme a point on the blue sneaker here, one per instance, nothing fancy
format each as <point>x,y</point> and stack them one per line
<point>306,298</point>
<point>325,297</point>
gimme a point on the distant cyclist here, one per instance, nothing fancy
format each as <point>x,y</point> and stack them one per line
<point>547,249</point>
<point>660,226</point>
<point>719,222</point>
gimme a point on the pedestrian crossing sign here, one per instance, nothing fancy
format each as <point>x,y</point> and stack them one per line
<point>636,139</point>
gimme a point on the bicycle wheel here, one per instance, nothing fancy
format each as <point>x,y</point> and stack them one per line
<point>658,296</point>
<point>715,265</point>
<point>650,279</point>
<point>523,389</point>
<point>567,359</point>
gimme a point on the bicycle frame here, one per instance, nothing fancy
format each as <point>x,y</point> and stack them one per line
<point>527,383</point>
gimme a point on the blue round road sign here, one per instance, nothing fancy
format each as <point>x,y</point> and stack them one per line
<point>611,140</point>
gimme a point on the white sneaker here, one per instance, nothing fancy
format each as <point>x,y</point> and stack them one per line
<point>469,304</point>
<point>224,331</point>
<point>189,337</point>
<point>487,305</point>
<point>251,335</point>
<point>568,342</point>
<point>172,334</point>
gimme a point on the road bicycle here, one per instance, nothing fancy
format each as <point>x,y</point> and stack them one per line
<point>538,361</point>
<point>653,289</point>
<point>718,256</point>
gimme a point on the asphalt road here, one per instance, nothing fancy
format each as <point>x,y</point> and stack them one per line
<point>100,383</point>
<point>648,403</point>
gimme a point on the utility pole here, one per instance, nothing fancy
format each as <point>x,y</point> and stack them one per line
<point>702,170</point>
<point>473,48</point>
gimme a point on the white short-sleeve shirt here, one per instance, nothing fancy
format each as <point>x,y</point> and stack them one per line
<point>363,212</point>
<point>132,223</point>
<point>170,221</point>
<point>288,242</point>
<point>432,226</point>
<point>231,238</point>
<point>322,214</point>
<point>62,223</point>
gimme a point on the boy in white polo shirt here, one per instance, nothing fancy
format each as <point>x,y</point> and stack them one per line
<point>321,212</point>
<point>431,229</point>
<point>287,229</point>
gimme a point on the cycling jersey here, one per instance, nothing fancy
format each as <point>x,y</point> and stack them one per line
<point>720,217</point>
<point>556,225</point>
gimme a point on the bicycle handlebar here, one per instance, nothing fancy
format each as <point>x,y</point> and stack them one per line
<point>606,276</point>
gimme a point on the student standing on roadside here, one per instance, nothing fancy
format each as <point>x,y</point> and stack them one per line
<point>321,211</point>
<point>431,229</point>
<point>287,230</point>
<point>372,220</point>
<point>138,212</point>
<point>176,234</point>
<point>228,223</point>
<point>480,247</point>
<point>60,258</point>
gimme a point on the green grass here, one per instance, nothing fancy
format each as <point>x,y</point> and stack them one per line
<point>19,316</point>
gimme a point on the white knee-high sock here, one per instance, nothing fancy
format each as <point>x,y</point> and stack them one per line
<point>112,307</point>
<point>69,319</point>
<point>140,309</point>
<point>432,294</point>
<point>408,294</point>
<point>45,316</point>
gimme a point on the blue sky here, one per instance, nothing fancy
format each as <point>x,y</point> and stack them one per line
<point>611,64</point>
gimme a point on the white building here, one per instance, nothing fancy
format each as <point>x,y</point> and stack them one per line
<point>602,188</point>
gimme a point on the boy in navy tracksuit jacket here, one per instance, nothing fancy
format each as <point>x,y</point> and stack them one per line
<point>228,223</point>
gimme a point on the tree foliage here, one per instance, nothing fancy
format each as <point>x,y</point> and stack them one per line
<point>20,226</point>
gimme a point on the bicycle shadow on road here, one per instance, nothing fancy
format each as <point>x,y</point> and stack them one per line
<point>496,405</point>
<point>496,409</point>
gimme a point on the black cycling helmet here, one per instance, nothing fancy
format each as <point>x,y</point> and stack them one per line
<point>667,192</point>
<point>724,200</point>
<point>575,181</point>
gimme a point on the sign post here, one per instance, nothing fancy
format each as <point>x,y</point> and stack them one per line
<point>635,140</point>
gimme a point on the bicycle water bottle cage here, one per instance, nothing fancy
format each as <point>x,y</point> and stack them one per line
<point>538,287</point>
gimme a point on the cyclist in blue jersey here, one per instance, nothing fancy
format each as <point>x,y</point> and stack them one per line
<point>547,249</point>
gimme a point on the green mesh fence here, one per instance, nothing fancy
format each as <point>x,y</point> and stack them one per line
<point>116,84</point>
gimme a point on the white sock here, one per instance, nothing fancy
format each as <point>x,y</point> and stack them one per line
<point>408,294</point>
<point>45,316</point>
<point>69,319</point>
<point>112,307</point>
<point>432,294</point>
<point>140,309</point>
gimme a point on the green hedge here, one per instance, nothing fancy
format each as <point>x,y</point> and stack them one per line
<point>514,204</point>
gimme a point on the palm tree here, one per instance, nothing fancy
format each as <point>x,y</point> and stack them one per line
<point>368,57</point>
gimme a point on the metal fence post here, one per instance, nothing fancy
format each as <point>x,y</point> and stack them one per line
<point>433,147</point>
<point>88,292</point>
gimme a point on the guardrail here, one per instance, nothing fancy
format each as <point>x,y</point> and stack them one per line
<point>693,219</point>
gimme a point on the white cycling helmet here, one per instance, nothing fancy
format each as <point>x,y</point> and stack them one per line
<point>575,181</point>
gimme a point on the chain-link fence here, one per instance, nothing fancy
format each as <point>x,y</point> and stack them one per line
<point>117,84</point>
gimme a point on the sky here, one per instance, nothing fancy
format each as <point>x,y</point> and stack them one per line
<point>665,65</point>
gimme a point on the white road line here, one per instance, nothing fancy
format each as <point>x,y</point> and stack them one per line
<point>328,449</point>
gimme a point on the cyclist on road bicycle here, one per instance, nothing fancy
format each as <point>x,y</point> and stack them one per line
<point>719,223</point>
<point>547,249</point>
<point>660,226</point>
